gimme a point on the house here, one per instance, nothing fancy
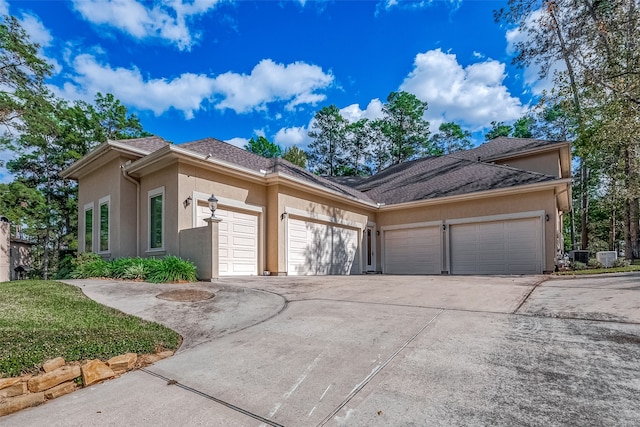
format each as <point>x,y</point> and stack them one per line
<point>494,209</point>
<point>15,253</point>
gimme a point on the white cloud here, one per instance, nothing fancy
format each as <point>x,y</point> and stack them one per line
<point>238,142</point>
<point>478,55</point>
<point>353,113</point>
<point>531,75</point>
<point>185,93</point>
<point>412,4</point>
<point>287,137</point>
<point>473,95</point>
<point>269,82</point>
<point>4,7</point>
<point>41,35</point>
<point>296,83</point>
<point>36,30</point>
<point>141,20</point>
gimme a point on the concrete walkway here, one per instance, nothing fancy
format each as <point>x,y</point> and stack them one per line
<point>376,350</point>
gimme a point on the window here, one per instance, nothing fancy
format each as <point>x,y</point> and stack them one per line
<point>103,226</point>
<point>156,219</point>
<point>88,227</point>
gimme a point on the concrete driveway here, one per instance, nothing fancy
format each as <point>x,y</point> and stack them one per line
<point>377,350</point>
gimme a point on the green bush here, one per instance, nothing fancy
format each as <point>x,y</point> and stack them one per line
<point>594,263</point>
<point>156,270</point>
<point>66,267</point>
<point>621,262</point>
<point>89,265</point>
<point>577,265</point>
<point>171,269</point>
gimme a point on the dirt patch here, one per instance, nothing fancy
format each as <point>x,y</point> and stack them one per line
<point>186,295</point>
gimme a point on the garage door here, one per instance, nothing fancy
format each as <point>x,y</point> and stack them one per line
<point>318,248</point>
<point>501,247</point>
<point>412,251</point>
<point>238,241</point>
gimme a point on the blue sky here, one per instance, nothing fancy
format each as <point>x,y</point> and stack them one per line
<point>237,69</point>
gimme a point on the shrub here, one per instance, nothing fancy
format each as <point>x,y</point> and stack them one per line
<point>66,267</point>
<point>577,265</point>
<point>594,263</point>
<point>171,269</point>
<point>621,262</point>
<point>89,265</point>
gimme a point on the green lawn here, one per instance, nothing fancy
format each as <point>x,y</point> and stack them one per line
<point>40,320</point>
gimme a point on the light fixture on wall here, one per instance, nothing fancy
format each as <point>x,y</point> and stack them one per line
<point>213,205</point>
<point>546,217</point>
<point>187,202</point>
<point>377,232</point>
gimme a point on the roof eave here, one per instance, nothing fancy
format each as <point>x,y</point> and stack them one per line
<point>477,195</point>
<point>72,172</point>
<point>277,177</point>
<point>523,153</point>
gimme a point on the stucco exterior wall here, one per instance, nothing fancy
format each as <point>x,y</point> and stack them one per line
<point>499,205</point>
<point>166,178</point>
<point>546,163</point>
<point>195,179</point>
<point>107,180</point>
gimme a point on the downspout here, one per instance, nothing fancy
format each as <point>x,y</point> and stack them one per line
<point>137,184</point>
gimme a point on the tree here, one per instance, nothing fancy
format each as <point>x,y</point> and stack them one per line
<point>596,41</point>
<point>357,147</point>
<point>405,127</point>
<point>296,156</point>
<point>22,71</point>
<point>380,156</point>
<point>115,122</point>
<point>451,138</point>
<point>263,147</point>
<point>523,127</point>
<point>326,151</point>
<point>497,129</point>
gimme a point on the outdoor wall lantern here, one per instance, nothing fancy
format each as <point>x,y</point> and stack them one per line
<point>546,217</point>
<point>187,202</point>
<point>213,205</point>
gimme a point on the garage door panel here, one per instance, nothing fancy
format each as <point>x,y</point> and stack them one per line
<point>412,251</point>
<point>318,249</point>
<point>501,247</point>
<point>238,241</point>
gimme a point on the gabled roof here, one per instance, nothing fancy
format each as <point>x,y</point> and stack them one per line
<point>227,153</point>
<point>503,147</point>
<point>148,144</point>
<point>443,176</point>
<point>455,174</point>
<point>137,148</point>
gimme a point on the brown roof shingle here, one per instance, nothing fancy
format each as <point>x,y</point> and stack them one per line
<point>148,144</point>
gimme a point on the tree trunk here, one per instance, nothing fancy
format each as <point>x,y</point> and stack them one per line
<point>633,243</point>
<point>584,211</point>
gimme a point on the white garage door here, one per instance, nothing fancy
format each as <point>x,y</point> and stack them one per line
<point>501,247</point>
<point>238,241</point>
<point>412,251</point>
<point>317,249</point>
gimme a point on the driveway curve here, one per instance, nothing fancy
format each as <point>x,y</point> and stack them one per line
<point>230,310</point>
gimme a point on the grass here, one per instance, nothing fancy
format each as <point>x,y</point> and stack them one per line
<point>41,320</point>
<point>626,269</point>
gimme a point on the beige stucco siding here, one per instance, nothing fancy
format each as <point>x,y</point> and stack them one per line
<point>500,205</point>
<point>195,179</point>
<point>104,181</point>
<point>167,178</point>
<point>546,163</point>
